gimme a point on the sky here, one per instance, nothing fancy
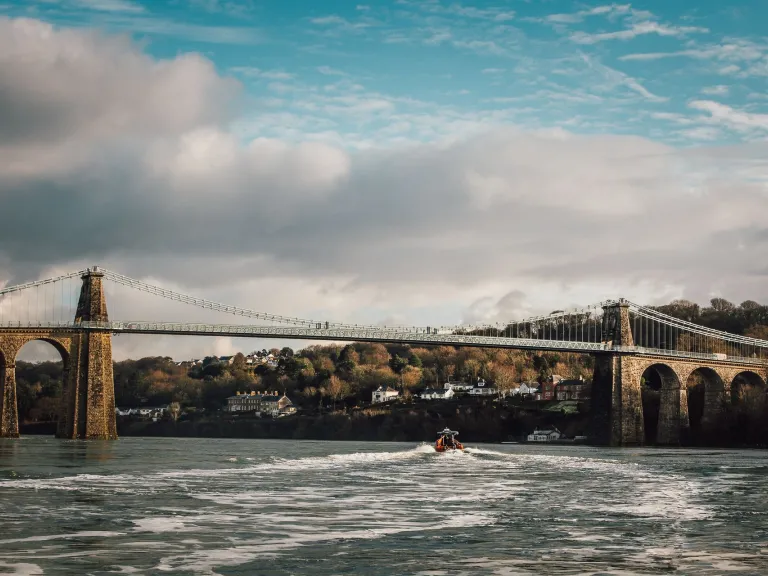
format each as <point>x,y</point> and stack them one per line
<point>413,161</point>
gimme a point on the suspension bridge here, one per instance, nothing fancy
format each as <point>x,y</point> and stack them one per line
<point>626,339</point>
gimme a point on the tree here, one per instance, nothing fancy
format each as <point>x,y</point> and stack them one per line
<point>410,377</point>
<point>238,362</point>
<point>336,389</point>
<point>415,361</point>
<point>286,352</point>
<point>472,369</point>
<point>504,378</point>
<point>174,409</point>
<point>722,305</point>
<point>397,364</point>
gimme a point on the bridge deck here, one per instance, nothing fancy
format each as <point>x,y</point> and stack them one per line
<point>383,335</point>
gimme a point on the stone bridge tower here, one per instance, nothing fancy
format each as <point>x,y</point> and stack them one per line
<point>88,406</point>
<point>617,409</point>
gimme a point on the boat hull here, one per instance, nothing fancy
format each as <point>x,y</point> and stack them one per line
<point>459,448</point>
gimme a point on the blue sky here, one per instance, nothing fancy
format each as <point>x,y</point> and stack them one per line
<point>365,74</point>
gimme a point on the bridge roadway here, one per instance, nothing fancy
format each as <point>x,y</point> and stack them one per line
<point>383,335</point>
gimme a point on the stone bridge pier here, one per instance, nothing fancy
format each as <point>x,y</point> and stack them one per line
<point>88,397</point>
<point>617,406</point>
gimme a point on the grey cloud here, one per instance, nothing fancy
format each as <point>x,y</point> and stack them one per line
<point>124,161</point>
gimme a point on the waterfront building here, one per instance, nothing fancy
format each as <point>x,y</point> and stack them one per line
<point>382,394</point>
<point>546,435</point>
<point>265,404</point>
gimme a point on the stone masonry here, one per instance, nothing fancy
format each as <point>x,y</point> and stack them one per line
<point>88,402</point>
<point>617,408</point>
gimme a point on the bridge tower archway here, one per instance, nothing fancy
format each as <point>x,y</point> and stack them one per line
<point>665,405</point>
<point>746,384</point>
<point>55,390</point>
<point>706,393</point>
<point>10,347</point>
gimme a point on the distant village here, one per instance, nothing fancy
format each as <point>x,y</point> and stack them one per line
<point>274,404</point>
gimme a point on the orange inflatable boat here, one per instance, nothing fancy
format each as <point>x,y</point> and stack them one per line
<point>446,440</point>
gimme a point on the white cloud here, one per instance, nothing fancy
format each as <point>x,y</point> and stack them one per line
<point>610,11</point>
<point>730,50</point>
<point>637,29</point>
<point>719,90</point>
<point>736,119</point>
<point>111,5</point>
<point>328,71</point>
<point>313,230</point>
<point>253,72</point>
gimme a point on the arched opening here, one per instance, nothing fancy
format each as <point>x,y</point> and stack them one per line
<point>747,387</point>
<point>41,375</point>
<point>748,410</point>
<point>705,391</point>
<point>662,405</point>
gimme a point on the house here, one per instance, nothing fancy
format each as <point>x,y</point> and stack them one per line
<point>437,394</point>
<point>244,402</point>
<point>382,394</point>
<point>264,404</point>
<point>277,406</point>
<point>228,360</point>
<point>458,387</point>
<point>546,435</point>
<point>528,389</point>
<point>481,389</point>
<point>546,390</point>
<point>575,389</point>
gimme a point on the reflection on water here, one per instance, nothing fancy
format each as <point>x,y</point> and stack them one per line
<point>201,506</point>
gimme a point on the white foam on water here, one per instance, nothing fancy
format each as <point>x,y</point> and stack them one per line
<point>92,534</point>
<point>22,569</point>
<point>204,561</point>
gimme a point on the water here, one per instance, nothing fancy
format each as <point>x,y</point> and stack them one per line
<point>210,506</point>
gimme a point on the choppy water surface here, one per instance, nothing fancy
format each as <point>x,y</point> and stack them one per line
<point>204,506</point>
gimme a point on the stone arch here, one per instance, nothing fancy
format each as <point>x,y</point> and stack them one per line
<point>63,349</point>
<point>10,345</point>
<point>744,380</point>
<point>705,389</point>
<point>62,345</point>
<point>665,404</point>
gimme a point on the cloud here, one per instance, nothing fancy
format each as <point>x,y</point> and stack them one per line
<point>637,29</point>
<point>336,24</point>
<point>730,117</point>
<point>719,90</point>
<point>116,158</point>
<point>610,11</point>
<point>110,5</point>
<point>328,71</point>
<point>730,50</point>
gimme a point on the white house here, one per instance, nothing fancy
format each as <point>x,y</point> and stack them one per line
<point>545,435</point>
<point>481,389</point>
<point>458,386</point>
<point>382,394</point>
<point>437,394</point>
<point>527,389</point>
